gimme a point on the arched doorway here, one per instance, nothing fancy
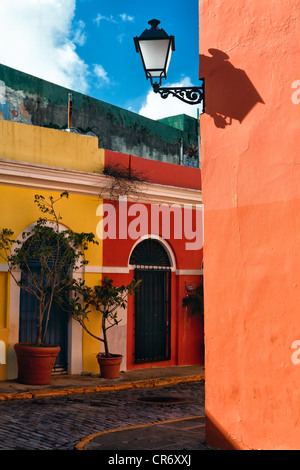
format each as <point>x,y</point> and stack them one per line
<point>57,331</point>
<point>152,302</point>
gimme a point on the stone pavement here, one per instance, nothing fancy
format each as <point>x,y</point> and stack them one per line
<point>183,434</point>
<point>63,384</point>
<point>150,409</point>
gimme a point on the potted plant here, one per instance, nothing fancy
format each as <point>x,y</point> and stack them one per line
<point>106,299</point>
<point>57,253</point>
<point>194,301</point>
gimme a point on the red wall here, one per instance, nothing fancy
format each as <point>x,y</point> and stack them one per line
<point>250,147</point>
<point>187,336</point>
<point>187,333</point>
<point>157,172</point>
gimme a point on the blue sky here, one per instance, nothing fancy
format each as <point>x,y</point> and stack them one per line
<point>87,45</point>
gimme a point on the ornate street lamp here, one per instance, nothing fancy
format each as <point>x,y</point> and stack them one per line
<point>155,48</point>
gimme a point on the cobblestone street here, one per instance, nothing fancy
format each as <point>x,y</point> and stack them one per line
<point>59,423</point>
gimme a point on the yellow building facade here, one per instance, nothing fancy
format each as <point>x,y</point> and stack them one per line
<point>36,160</point>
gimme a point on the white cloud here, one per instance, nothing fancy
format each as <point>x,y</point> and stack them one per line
<point>156,107</point>
<point>79,35</point>
<point>121,37</point>
<point>126,17</point>
<point>101,74</point>
<point>37,38</point>
<point>100,17</point>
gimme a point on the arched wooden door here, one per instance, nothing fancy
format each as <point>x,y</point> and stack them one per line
<point>152,302</point>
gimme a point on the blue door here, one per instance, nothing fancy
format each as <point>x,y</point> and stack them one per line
<point>57,331</point>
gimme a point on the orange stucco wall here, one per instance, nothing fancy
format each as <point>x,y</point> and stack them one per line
<point>250,152</point>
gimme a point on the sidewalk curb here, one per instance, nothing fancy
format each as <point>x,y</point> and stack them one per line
<point>85,440</point>
<point>135,385</point>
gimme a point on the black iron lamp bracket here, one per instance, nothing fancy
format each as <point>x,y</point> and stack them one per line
<point>190,95</point>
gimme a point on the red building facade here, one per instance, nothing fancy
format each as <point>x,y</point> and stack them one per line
<point>156,235</point>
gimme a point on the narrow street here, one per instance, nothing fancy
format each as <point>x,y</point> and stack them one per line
<point>59,423</point>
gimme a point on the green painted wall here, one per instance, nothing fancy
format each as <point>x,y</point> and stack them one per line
<point>31,100</point>
<point>182,122</point>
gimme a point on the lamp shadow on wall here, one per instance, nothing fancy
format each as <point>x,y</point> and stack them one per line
<point>229,93</point>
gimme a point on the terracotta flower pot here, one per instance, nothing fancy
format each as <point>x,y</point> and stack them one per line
<point>35,363</point>
<point>109,366</point>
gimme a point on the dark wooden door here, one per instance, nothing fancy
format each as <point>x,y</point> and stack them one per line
<point>152,315</point>
<point>152,302</point>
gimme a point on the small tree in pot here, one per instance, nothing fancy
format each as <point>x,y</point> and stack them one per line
<point>106,299</point>
<point>57,253</point>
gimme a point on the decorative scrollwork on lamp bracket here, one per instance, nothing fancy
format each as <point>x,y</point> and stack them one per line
<point>190,95</point>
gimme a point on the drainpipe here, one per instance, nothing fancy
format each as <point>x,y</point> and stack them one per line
<point>70,109</point>
<point>130,166</point>
<point>181,151</point>
<point>70,116</point>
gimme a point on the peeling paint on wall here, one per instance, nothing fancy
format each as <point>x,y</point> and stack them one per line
<point>12,105</point>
